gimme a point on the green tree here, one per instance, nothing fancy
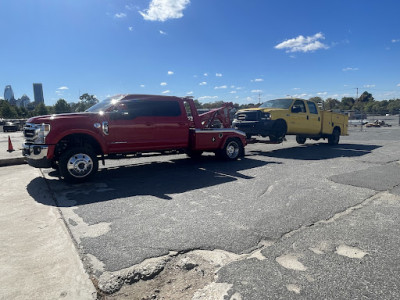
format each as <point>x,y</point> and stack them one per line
<point>41,110</point>
<point>393,106</point>
<point>86,101</point>
<point>347,103</point>
<point>62,106</point>
<point>8,111</point>
<point>331,103</point>
<point>366,97</point>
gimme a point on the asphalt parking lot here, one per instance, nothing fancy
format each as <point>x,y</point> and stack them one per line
<point>288,221</point>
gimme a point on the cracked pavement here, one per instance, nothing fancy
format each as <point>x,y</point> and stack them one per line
<point>289,221</point>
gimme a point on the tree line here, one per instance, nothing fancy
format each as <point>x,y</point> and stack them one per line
<point>365,104</point>
<point>8,111</point>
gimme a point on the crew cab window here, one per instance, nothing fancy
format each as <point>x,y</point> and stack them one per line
<point>298,107</point>
<point>312,108</point>
<point>153,109</point>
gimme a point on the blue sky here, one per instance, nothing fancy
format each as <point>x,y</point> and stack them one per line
<point>230,50</point>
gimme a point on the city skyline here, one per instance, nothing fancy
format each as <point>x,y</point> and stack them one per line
<point>212,50</point>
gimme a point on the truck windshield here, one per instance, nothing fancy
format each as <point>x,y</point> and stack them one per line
<point>105,104</point>
<point>277,103</point>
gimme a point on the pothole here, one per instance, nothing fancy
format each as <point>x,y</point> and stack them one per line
<point>191,275</point>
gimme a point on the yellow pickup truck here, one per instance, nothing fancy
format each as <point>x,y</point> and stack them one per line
<point>280,117</point>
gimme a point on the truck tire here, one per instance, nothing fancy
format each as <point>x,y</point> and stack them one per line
<point>300,139</point>
<point>232,150</point>
<point>333,139</point>
<point>78,164</point>
<point>278,131</point>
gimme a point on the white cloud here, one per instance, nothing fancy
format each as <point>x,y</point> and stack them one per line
<point>142,85</point>
<point>256,91</point>
<point>249,99</point>
<point>395,41</point>
<point>300,96</point>
<point>369,86</point>
<point>303,44</point>
<point>221,87</point>
<point>218,74</point>
<point>203,83</point>
<point>322,93</point>
<point>131,7</point>
<point>163,83</point>
<point>166,92</point>
<point>189,93</point>
<point>170,73</point>
<point>208,97</point>
<point>232,92</point>
<point>163,32</point>
<point>349,69</point>
<point>398,85</point>
<point>163,10</point>
<point>130,28</point>
<point>205,74</point>
<point>62,88</point>
<point>258,80</point>
<point>120,15</point>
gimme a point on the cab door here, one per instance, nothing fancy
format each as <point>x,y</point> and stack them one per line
<point>298,118</point>
<point>130,126</point>
<point>171,125</point>
<point>313,119</point>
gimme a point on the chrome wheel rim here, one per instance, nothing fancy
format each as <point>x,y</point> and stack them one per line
<point>80,165</point>
<point>232,150</point>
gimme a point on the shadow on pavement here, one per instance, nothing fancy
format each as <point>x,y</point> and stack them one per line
<point>319,151</point>
<point>158,179</point>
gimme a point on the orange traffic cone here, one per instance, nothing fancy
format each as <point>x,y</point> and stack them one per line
<point>10,146</point>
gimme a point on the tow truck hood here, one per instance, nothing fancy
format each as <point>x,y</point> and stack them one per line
<point>64,118</point>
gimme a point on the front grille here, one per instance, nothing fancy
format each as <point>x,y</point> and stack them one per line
<point>248,116</point>
<point>30,132</point>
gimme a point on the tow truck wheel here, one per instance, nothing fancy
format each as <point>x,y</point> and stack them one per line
<point>300,139</point>
<point>333,139</point>
<point>78,164</point>
<point>278,131</point>
<point>232,150</point>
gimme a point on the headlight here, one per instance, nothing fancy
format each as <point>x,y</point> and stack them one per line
<point>266,116</point>
<point>42,130</point>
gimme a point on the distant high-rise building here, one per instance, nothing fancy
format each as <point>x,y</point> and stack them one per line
<point>9,94</point>
<point>38,93</point>
<point>23,101</point>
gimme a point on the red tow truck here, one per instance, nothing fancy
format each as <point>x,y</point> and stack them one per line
<point>126,125</point>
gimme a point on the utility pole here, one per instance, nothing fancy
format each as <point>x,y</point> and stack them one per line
<point>361,112</point>
<point>259,98</point>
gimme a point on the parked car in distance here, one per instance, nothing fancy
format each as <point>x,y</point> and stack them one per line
<point>11,126</point>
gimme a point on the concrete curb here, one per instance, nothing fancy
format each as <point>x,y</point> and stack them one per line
<point>12,161</point>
